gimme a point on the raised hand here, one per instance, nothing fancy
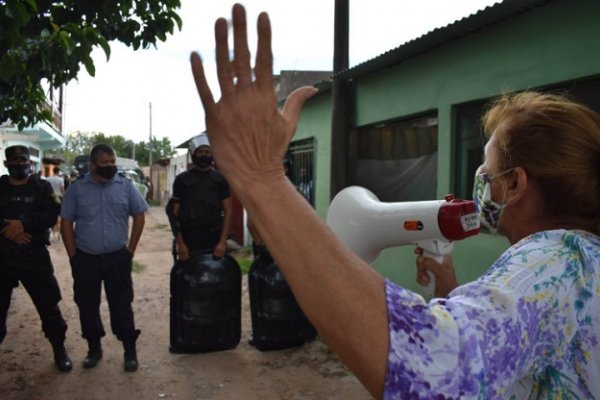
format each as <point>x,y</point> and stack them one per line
<point>249,134</point>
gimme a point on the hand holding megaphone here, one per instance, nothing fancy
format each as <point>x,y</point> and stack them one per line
<point>434,249</point>
<point>368,226</point>
<point>442,269</point>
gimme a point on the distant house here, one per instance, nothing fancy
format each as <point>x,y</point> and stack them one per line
<point>415,109</point>
<point>288,80</point>
<point>39,138</point>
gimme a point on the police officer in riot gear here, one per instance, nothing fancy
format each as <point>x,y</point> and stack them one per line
<point>200,210</point>
<point>28,209</point>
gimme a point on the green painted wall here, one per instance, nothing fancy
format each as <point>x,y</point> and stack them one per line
<point>315,122</point>
<point>548,45</point>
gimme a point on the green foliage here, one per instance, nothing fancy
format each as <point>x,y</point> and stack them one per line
<point>137,267</point>
<point>48,40</point>
<point>161,148</point>
<point>79,143</point>
<point>244,258</point>
<point>244,264</point>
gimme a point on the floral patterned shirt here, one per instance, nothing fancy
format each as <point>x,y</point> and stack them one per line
<point>527,329</point>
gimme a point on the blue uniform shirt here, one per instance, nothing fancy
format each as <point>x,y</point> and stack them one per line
<point>101,212</point>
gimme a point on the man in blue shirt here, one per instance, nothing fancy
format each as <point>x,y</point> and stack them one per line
<point>95,215</point>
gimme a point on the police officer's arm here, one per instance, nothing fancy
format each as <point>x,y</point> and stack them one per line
<point>137,209</point>
<point>183,252</point>
<point>43,218</point>
<point>68,216</point>
<point>136,231</point>
<point>221,247</point>
<point>13,230</point>
<point>67,232</point>
<point>172,209</point>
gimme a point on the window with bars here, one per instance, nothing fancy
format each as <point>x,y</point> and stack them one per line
<point>302,153</point>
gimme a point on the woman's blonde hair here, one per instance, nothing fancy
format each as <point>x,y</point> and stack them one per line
<point>557,142</point>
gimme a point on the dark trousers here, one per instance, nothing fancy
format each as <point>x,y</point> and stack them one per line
<point>201,239</point>
<point>36,274</point>
<point>114,269</point>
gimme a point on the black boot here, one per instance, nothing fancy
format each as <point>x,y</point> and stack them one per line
<point>130,355</point>
<point>94,353</point>
<point>61,358</point>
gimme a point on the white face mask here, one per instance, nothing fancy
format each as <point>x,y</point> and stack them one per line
<point>488,210</point>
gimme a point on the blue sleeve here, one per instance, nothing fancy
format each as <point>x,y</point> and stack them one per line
<point>68,206</point>
<point>137,204</point>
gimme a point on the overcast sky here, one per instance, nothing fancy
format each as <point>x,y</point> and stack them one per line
<point>116,101</point>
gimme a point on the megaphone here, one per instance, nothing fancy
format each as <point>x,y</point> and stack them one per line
<point>367,226</point>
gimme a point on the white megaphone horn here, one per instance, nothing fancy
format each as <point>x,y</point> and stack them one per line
<point>368,226</point>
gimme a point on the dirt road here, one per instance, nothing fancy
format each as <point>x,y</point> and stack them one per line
<point>27,370</point>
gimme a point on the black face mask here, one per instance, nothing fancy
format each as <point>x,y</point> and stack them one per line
<point>202,161</point>
<point>19,171</point>
<point>107,171</point>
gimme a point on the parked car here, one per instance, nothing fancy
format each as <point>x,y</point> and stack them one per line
<point>127,167</point>
<point>138,179</point>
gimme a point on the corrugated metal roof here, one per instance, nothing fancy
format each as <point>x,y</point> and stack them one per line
<point>484,18</point>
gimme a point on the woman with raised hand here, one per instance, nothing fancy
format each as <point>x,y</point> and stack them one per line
<point>528,328</point>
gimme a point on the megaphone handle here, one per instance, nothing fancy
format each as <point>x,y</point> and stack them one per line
<point>430,288</point>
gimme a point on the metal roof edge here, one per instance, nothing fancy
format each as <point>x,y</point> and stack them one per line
<point>479,20</point>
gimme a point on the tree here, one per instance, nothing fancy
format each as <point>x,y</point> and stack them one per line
<point>160,149</point>
<point>79,143</point>
<point>76,144</point>
<point>122,146</point>
<point>48,40</point>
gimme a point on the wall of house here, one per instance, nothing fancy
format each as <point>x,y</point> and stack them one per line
<point>315,122</point>
<point>553,44</point>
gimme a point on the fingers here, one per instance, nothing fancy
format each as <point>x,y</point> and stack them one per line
<point>293,105</point>
<point>225,71</point>
<point>206,96</point>
<point>241,54</point>
<point>422,275</point>
<point>218,253</point>
<point>23,239</point>
<point>183,255</point>
<point>264,54</point>
<point>425,264</point>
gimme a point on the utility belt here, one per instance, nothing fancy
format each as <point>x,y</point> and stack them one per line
<point>22,252</point>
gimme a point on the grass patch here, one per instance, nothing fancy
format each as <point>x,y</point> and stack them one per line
<point>153,203</point>
<point>161,226</point>
<point>244,264</point>
<point>244,258</point>
<point>137,267</point>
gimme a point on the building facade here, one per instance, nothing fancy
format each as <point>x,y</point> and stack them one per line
<point>415,110</point>
<point>39,138</point>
